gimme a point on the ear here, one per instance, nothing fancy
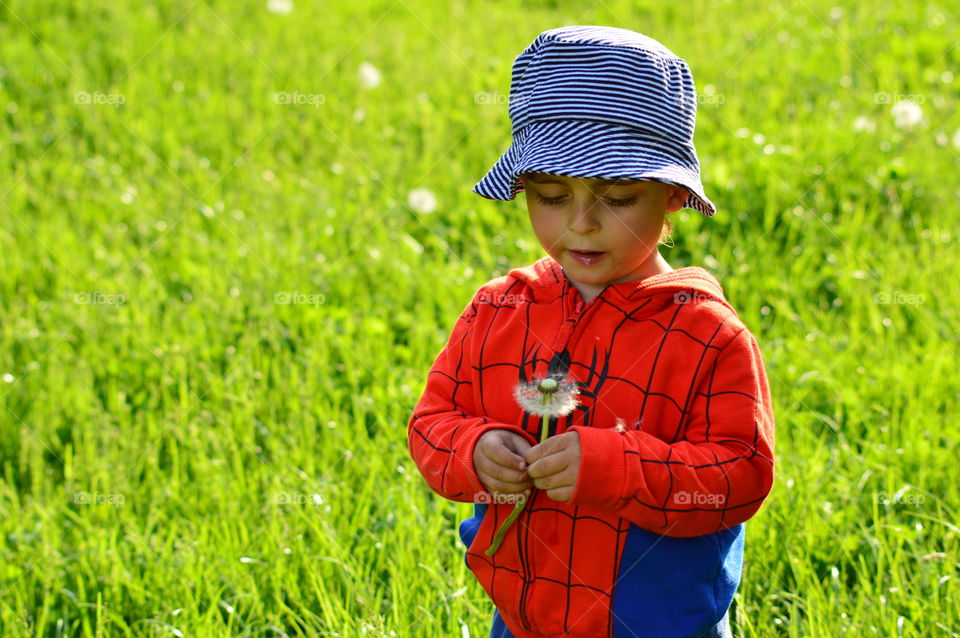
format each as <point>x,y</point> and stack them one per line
<point>678,196</point>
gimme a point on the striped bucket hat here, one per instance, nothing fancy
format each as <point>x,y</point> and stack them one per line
<point>600,102</point>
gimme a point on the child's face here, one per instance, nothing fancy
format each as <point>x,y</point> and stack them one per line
<point>622,219</point>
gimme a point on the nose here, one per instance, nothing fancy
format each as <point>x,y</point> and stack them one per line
<point>582,220</point>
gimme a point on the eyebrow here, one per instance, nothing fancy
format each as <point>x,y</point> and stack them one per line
<point>549,179</point>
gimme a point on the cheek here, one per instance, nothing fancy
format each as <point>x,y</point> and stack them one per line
<point>544,223</point>
<point>641,222</point>
<point>549,228</point>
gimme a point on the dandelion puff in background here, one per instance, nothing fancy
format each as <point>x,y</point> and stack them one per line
<point>280,7</point>
<point>553,397</point>
<point>864,123</point>
<point>907,114</point>
<point>369,76</point>
<point>422,200</point>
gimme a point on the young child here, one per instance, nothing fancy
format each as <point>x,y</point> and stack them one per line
<point>634,508</point>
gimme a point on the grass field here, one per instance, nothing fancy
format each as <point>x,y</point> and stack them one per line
<point>218,307</point>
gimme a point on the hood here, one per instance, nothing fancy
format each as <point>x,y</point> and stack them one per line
<point>545,280</point>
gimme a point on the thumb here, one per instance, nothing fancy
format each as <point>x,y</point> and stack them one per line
<point>516,444</point>
<point>543,449</point>
<point>507,456</point>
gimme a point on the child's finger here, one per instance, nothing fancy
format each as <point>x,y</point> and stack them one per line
<point>510,477</point>
<point>548,465</point>
<point>517,444</point>
<point>491,471</point>
<point>502,455</point>
<point>554,446</point>
<point>503,487</point>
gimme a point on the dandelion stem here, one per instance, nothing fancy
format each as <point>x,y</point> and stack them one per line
<point>545,430</point>
<point>502,532</point>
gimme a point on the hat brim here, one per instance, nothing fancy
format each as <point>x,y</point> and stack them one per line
<point>596,150</point>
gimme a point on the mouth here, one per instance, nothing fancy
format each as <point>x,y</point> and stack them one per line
<point>587,257</point>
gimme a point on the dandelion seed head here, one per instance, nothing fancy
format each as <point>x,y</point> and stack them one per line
<point>864,123</point>
<point>280,7</point>
<point>422,200</point>
<point>369,76</point>
<point>907,114</point>
<point>560,402</point>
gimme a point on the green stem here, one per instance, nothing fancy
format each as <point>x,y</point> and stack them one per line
<point>502,532</point>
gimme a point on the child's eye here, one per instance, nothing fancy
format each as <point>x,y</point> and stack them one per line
<point>550,201</point>
<point>557,201</point>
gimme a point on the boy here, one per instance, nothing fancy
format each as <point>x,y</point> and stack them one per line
<point>633,523</point>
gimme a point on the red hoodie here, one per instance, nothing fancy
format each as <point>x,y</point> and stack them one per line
<point>669,358</point>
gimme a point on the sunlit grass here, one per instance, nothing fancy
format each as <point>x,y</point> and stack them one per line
<point>219,301</point>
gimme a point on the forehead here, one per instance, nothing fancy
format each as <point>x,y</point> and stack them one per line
<point>549,178</point>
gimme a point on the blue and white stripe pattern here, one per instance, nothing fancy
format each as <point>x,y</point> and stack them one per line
<point>600,102</point>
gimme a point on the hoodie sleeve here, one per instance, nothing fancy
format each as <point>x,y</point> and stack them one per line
<point>445,425</point>
<point>715,477</point>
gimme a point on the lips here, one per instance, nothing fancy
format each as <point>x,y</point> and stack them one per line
<point>587,257</point>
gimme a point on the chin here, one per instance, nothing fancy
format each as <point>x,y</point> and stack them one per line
<point>589,276</point>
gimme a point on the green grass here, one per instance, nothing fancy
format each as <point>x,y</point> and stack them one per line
<point>201,416</point>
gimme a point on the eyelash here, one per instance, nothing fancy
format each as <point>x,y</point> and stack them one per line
<point>556,201</point>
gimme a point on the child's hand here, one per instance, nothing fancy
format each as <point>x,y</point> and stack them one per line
<point>498,459</point>
<point>554,465</point>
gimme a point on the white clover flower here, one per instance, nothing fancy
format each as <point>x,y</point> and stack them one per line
<point>422,200</point>
<point>280,7</point>
<point>907,114</point>
<point>369,76</point>
<point>554,396</point>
